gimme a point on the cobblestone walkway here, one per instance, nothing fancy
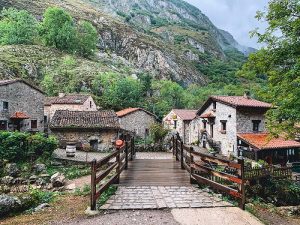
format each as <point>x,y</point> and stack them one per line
<point>159,197</point>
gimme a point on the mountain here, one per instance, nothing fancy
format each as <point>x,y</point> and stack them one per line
<point>170,39</point>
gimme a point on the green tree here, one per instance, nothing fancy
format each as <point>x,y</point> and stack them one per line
<point>279,61</point>
<point>87,38</point>
<point>58,30</point>
<point>17,27</point>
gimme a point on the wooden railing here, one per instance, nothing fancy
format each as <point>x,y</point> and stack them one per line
<point>106,171</point>
<point>224,175</point>
<point>274,172</point>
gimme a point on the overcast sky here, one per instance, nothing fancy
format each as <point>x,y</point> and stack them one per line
<point>235,16</point>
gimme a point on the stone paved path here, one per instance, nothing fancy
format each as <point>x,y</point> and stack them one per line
<point>159,197</point>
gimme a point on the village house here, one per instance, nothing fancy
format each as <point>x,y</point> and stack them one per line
<point>232,124</point>
<point>21,106</point>
<point>180,121</point>
<point>96,130</point>
<point>137,120</point>
<point>71,102</point>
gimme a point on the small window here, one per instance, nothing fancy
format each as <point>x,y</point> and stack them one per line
<point>175,124</point>
<point>3,125</point>
<point>45,119</point>
<point>223,125</point>
<point>91,104</point>
<point>204,123</point>
<point>5,105</point>
<point>256,125</point>
<point>33,124</point>
<point>214,105</point>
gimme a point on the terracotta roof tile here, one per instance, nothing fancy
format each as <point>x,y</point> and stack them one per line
<point>19,115</point>
<point>104,119</point>
<point>127,111</point>
<point>208,115</point>
<point>261,141</point>
<point>185,114</point>
<point>73,99</point>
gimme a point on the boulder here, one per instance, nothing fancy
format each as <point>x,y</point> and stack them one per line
<point>33,179</point>
<point>57,180</point>
<point>40,182</point>
<point>9,204</point>
<point>41,207</point>
<point>11,169</point>
<point>39,168</point>
<point>7,180</point>
<point>45,176</point>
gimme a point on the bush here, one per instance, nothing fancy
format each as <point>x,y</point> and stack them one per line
<point>158,133</point>
<point>17,27</point>
<point>17,146</point>
<point>278,192</point>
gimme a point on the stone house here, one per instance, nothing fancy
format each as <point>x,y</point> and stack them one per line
<point>227,122</point>
<point>71,102</point>
<point>21,106</point>
<point>180,121</point>
<point>97,130</point>
<point>137,120</point>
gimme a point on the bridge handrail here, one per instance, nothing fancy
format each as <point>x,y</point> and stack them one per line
<point>122,155</point>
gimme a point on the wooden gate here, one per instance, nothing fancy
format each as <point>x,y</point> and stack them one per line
<point>106,171</point>
<point>221,174</point>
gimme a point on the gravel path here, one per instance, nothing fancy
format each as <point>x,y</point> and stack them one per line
<point>129,217</point>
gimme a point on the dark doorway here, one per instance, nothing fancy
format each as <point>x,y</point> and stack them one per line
<point>94,144</point>
<point>3,125</point>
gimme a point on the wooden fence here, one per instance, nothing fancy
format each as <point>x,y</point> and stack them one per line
<point>220,174</point>
<point>106,171</point>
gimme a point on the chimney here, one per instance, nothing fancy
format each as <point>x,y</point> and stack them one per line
<point>61,95</point>
<point>247,94</point>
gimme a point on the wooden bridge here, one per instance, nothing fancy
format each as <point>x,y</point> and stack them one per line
<point>173,177</point>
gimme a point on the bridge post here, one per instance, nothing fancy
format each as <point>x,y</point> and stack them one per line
<point>181,154</point>
<point>173,145</point>
<point>126,155</point>
<point>118,166</point>
<point>131,148</point>
<point>176,149</point>
<point>93,185</point>
<point>242,185</point>
<point>192,180</point>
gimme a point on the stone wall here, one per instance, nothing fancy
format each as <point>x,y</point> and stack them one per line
<point>88,105</point>
<point>105,138</point>
<point>137,122</point>
<point>22,98</point>
<point>245,118</point>
<point>228,139</point>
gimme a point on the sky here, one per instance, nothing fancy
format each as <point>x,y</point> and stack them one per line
<point>235,16</point>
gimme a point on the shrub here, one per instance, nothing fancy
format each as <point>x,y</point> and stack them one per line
<point>17,27</point>
<point>158,132</point>
<point>17,146</point>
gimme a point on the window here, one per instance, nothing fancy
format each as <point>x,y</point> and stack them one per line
<point>204,123</point>
<point>45,119</point>
<point>256,125</point>
<point>5,105</point>
<point>175,124</point>
<point>33,124</point>
<point>223,126</point>
<point>91,104</point>
<point>214,106</point>
<point>3,125</point>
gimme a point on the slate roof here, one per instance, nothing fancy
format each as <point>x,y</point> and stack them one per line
<point>104,119</point>
<point>127,111</point>
<point>235,102</point>
<point>72,99</point>
<point>261,141</point>
<point>7,82</point>
<point>185,114</point>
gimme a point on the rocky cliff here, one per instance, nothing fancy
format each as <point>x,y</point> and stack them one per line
<point>166,38</point>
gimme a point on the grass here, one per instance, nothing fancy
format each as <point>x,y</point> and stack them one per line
<point>106,195</point>
<point>71,172</point>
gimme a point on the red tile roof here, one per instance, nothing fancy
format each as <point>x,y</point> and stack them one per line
<point>261,141</point>
<point>19,115</point>
<point>208,115</point>
<point>127,111</point>
<point>7,82</point>
<point>185,114</point>
<point>104,119</point>
<point>72,99</point>
<point>236,102</point>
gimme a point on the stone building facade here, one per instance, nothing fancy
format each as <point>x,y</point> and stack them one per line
<point>137,121</point>
<point>89,130</point>
<point>21,106</point>
<point>221,118</point>
<point>180,120</point>
<point>71,102</point>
